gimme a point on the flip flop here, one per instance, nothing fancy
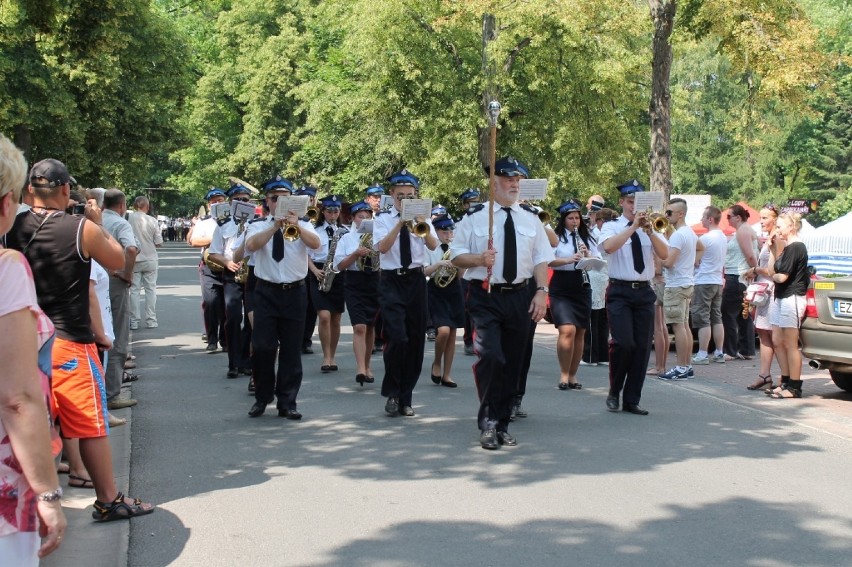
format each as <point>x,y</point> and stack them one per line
<point>80,482</point>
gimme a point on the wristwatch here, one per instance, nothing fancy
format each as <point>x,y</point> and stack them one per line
<point>543,288</point>
<point>50,496</point>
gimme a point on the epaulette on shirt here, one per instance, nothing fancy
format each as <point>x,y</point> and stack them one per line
<point>529,209</point>
<point>205,217</point>
<point>257,219</point>
<point>475,209</point>
<point>382,212</point>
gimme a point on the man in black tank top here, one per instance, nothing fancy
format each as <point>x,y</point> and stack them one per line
<point>58,247</point>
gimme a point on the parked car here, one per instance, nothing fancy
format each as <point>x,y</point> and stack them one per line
<point>826,332</point>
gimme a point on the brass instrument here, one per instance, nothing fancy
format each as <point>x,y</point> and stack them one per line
<point>312,214</point>
<point>656,221</point>
<point>291,232</point>
<point>367,242</point>
<point>418,229</point>
<point>544,216</point>
<point>210,263</point>
<point>328,271</point>
<point>445,275</point>
<point>242,273</point>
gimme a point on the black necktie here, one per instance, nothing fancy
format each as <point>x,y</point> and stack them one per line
<point>278,246</point>
<point>404,247</point>
<point>510,248</point>
<point>636,248</point>
<point>445,247</point>
<point>329,231</point>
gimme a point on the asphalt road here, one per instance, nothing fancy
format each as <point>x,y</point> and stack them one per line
<point>716,475</point>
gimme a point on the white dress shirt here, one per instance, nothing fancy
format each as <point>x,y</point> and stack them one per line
<point>533,247</point>
<point>293,267</point>
<point>621,260</point>
<point>223,238</point>
<point>382,225</point>
<point>566,249</point>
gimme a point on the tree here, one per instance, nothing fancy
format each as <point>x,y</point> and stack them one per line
<point>662,16</point>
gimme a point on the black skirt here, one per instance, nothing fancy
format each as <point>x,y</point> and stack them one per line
<point>331,300</point>
<point>570,300</point>
<point>446,305</point>
<point>362,297</point>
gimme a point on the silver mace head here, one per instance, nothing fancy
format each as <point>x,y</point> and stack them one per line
<point>494,111</point>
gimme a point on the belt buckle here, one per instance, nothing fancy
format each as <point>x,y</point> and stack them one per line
<point>634,285</point>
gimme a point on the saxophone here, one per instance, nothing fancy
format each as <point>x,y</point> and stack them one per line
<point>444,275</point>
<point>242,273</point>
<point>328,271</point>
<point>367,242</point>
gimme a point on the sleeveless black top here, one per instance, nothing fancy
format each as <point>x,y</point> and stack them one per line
<point>60,272</point>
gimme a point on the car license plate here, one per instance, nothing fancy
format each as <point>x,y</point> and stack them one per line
<point>842,308</point>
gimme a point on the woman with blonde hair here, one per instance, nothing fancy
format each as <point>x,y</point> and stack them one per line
<point>30,495</point>
<point>789,271</point>
<point>760,274</point>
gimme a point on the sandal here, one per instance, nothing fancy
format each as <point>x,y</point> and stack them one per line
<point>75,481</point>
<point>762,381</point>
<point>128,377</point>
<point>63,468</point>
<point>118,509</point>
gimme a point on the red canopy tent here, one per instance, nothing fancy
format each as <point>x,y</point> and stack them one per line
<point>724,225</point>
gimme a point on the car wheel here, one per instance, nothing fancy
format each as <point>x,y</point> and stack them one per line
<point>842,379</point>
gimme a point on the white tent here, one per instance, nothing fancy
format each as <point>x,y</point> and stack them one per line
<point>830,246</point>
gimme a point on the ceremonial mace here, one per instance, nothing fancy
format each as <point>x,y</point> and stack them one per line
<point>493,114</point>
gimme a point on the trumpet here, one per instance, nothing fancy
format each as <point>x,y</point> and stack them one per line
<point>419,229</point>
<point>291,232</point>
<point>656,221</point>
<point>312,213</point>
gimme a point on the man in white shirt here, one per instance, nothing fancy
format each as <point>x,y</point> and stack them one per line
<point>678,270</point>
<point>149,238</point>
<point>706,306</point>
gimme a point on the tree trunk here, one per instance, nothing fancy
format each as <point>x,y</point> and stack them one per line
<point>490,90</point>
<point>22,137</point>
<point>660,157</point>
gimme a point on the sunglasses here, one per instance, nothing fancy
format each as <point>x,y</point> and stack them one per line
<point>242,199</point>
<point>274,198</point>
<point>331,209</point>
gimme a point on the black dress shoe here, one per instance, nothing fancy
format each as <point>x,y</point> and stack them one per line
<point>488,439</point>
<point>392,407</point>
<point>436,379</point>
<point>449,384</point>
<point>360,379</point>
<point>325,368</point>
<point>251,386</point>
<point>232,373</point>
<point>635,409</point>
<point>563,385</point>
<point>245,371</point>
<point>290,414</point>
<point>504,438</point>
<point>407,411</point>
<point>307,350</point>
<point>257,409</point>
<point>612,403</point>
<point>212,347</point>
<point>519,411</point>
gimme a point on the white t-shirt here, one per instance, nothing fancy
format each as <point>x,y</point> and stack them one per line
<point>101,278</point>
<point>711,269</point>
<point>681,274</point>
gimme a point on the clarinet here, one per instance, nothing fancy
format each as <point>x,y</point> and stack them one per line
<point>581,248</point>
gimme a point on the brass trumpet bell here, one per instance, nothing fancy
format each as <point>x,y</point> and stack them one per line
<point>312,213</point>
<point>544,217</point>
<point>659,222</point>
<point>420,229</point>
<point>292,232</point>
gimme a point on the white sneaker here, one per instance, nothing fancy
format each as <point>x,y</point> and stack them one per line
<point>700,360</point>
<point>134,325</point>
<point>720,358</point>
<point>584,363</point>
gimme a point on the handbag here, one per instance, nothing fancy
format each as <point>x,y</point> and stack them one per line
<point>757,293</point>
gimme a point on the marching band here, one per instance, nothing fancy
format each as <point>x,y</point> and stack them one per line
<point>265,279</point>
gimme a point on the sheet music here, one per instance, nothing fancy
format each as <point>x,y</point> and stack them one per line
<point>366,227</point>
<point>416,208</point>
<point>532,189</point>
<point>220,211</point>
<point>645,200</point>
<point>386,202</point>
<point>295,203</point>
<point>242,210</point>
<point>591,264</point>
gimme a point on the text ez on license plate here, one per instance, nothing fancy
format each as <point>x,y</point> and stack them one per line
<point>842,308</point>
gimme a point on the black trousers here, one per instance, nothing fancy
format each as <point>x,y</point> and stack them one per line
<point>310,318</point>
<point>739,331</point>
<point>595,347</point>
<point>212,304</point>
<point>528,352</point>
<point>277,312</point>
<point>631,325</point>
<point>502,324</point>
<point>468,320</point>
<point>233,293</point>
<point>403,307</point>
